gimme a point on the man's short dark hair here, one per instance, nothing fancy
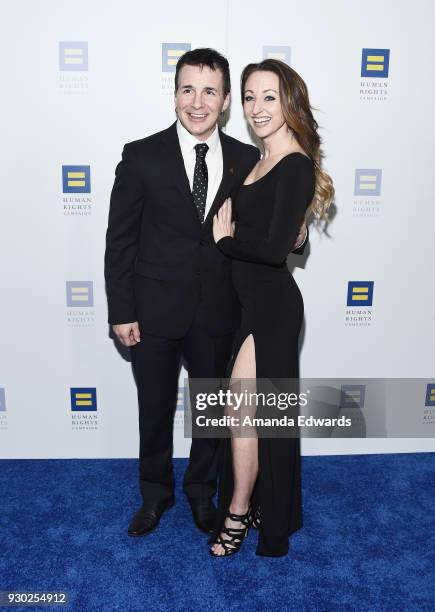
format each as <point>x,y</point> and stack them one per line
<point>205,57</point>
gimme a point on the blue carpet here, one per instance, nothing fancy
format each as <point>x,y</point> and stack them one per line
<point>368,541</point>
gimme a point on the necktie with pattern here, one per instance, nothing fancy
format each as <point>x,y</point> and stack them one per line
<point>200,180</point>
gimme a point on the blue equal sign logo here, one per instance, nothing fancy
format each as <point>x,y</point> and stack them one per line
<point>76,179</point>
<point>2,400</point>
<point>375,63</point>
<point>171,53</point>
<point>352,396</point>
<point>180,400</point>
<point>83,398</point>
<point>79,294</point>
<point>430,395</point>
<point>73,56</point>
<point>278,52</point>
<point>368,182</point>
<point>360,293</point>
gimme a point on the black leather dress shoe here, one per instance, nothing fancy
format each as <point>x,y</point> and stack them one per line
<point>147,518</point>
<point>204,513</point>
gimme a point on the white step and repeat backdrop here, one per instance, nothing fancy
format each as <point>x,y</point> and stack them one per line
<point>80,79</point>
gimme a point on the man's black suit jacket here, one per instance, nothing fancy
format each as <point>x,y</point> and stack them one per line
<point>160,260</point>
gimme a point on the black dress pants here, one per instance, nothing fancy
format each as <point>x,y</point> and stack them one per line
<point>156,366</point>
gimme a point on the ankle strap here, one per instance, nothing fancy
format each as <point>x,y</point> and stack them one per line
<point>239,517</point>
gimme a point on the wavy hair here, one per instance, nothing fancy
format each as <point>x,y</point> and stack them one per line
<point>297,112</point>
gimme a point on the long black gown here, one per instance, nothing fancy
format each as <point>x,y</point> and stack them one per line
<point>268,216</point>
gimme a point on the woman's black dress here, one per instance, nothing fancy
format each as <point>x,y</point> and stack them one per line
<point>268,216</point>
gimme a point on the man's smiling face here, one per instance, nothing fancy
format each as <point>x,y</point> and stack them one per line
<point>200,99</point>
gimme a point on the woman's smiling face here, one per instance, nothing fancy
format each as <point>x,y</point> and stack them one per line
<point>262,104</point>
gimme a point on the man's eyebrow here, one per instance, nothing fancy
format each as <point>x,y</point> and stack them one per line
<point>192,87</point>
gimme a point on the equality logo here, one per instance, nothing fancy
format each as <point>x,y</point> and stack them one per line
<point>368,182</point>
<point>278,52</point>
<point>76,188</point>
<point>83,398</point>
<point>179,414</point>
<point>76,179</point>
<point>83,408</point>
<point>80,303</point>
<point>375,66</point>
<point>73,67</point>
<point>375,62</point>
<point>79,293</point>
<point>73,56</point>
<point>360,293</point>
<point>367,192</point>
<point>2,400</point>
<point>352,396</point>
<point>171,53</point>
<point>430,395</point>
<point>429,411</point>
<point>180,399</point>
<point>359,311</point>
<point>3,416</point>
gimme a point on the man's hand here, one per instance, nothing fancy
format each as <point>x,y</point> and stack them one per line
<point>222,225</point>
<point>127,333</point>
<point>301,237</point>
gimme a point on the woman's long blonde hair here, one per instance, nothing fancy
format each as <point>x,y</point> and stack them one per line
<point>297,113</point>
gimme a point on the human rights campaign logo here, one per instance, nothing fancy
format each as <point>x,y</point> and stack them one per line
<point>375,63</point>
<point>352,396</point>
<point>430,395</point>
<point>2,400</point>
<point>171,53</point>
<point>3,415</point>
<point>83,398</point>
<point>368,182</point>
<point>79,293</point>
<point>179,414</point>
<point>76,179</point>
<point>73,56</point>
<point>278,52</point>
<point>360,293</point>
<point>180,399</point>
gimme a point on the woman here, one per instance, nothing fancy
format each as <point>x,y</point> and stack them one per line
<point>260,480</point>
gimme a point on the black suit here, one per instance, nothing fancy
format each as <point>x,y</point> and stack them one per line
<point>163,270</point>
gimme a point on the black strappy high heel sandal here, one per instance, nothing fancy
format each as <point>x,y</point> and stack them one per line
<point>232,543</point>
<point>256,520</point>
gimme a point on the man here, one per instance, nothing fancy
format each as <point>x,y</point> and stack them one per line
<point>169,288</point>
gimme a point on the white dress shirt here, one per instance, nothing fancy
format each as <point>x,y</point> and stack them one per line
<point>213,159</point>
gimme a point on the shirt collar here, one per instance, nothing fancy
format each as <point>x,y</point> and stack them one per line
<point>188,141</point>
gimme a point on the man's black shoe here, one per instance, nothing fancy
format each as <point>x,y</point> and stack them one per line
<point>147,518</point>
<point>204,513</point>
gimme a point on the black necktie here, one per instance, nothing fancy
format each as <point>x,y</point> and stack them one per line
<point>200,180</point>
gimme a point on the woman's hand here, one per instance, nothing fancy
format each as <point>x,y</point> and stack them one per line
<point>302,236</point>
<point>222,224</point>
